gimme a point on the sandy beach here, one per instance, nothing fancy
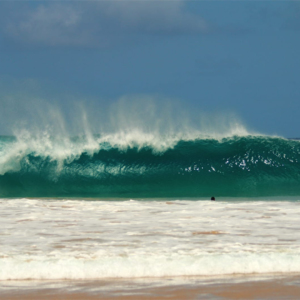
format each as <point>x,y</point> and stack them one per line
<point>233,287</point>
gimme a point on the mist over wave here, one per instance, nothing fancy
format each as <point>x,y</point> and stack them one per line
<point>141,149</point>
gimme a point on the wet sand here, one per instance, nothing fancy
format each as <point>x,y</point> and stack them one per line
<point>234,287</point>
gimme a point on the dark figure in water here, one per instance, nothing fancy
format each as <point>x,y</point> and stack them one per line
<point>212,199</point>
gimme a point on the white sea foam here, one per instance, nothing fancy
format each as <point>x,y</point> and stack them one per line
<point>56,239</point>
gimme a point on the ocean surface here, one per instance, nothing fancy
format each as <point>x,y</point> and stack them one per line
<point>92,207</point>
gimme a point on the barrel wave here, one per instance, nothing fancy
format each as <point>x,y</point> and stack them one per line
<point>236,166</point>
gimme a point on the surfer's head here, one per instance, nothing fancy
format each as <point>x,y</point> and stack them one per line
<point>212,199</point>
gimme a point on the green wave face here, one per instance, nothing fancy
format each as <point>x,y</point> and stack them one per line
<point>248,166</point>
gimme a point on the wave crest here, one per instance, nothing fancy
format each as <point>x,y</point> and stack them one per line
<point>103,167</point>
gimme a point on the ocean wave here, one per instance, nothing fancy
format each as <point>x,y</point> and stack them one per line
<point>141,165</point>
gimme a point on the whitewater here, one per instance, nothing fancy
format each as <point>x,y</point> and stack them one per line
<point>76,239</point>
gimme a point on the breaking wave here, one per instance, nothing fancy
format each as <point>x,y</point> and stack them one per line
<point>143,165</point>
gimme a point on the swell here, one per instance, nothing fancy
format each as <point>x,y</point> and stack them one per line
<point>248,166</point>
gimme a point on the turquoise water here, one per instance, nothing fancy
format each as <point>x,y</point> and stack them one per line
<point>247,166</point>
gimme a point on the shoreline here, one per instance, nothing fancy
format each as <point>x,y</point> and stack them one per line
<point>225,287</point>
